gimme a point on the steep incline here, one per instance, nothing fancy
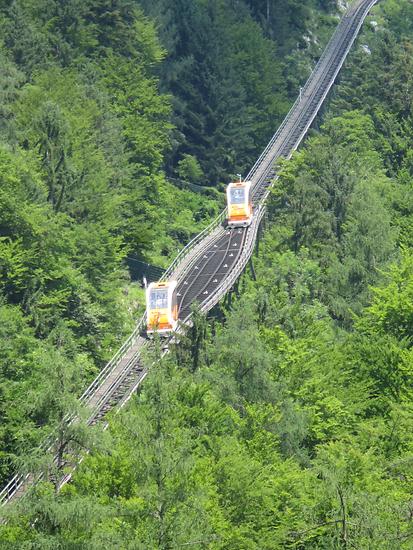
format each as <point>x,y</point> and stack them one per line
<point>208,267</point>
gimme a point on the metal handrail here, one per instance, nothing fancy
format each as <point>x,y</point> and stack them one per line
<point>114,361</point>
<point>126,368</point>
<point>193,243</point>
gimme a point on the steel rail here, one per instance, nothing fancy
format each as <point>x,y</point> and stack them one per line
<point>122,375</point>
<point>193,280</point>
<point>215,267</point>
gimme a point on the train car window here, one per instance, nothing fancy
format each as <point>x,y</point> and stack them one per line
<point>159,298</point>
<point>237,195</point>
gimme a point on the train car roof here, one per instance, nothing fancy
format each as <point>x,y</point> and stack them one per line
<point>239,183</point>
<point>162,284</point>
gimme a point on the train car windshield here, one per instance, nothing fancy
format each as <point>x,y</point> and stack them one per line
<point>237,195</point>
<point>159,298</point>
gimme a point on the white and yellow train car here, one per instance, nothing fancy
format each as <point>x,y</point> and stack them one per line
<point>239,204</point>
<point>161,308</point>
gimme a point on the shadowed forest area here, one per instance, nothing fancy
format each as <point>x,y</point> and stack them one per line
<point>284,421</point>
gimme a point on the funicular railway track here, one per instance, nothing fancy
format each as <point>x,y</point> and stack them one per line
<point>210,264</point>
<point>215,263</point>
<point>282,145</point>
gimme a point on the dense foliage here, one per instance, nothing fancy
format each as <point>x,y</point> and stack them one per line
<point>231,73</point>
<point>86,137</point>
<point>285,422</point>
<point>83,131</point>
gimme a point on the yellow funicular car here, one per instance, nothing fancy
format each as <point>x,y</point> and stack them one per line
<point>239,203</point>
<point>161,308</point>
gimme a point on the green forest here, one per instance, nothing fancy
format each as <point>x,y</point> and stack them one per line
<point>283,421</point>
